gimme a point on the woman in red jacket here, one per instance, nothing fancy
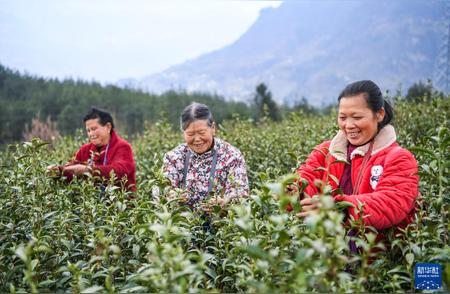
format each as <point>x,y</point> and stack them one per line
<point>380,174</point>
<point>105,153</point>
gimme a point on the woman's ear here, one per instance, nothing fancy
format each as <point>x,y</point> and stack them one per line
<point>380,114</point>
<point>213,128</point>
<point>109,126</point>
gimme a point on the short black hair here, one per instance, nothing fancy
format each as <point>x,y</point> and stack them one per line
<point>103,116</point>
<point>373,97</point>
<point>195,111</point>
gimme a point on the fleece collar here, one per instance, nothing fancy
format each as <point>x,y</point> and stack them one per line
<point>385,137</point>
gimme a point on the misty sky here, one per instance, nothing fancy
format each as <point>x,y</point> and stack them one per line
<point>108,40</point>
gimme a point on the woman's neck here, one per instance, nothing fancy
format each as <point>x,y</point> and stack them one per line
<point>105,142</point>
<point>365,143</point>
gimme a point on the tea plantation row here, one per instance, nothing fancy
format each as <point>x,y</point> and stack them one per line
<point>56,237</point>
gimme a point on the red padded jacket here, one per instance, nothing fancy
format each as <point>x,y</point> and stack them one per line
<point>119,158</point>
<point>389,183</point>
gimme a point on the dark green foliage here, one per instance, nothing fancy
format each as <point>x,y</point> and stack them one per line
<point>421,91</point>
<point>265,105</point>
<point>304,106</point>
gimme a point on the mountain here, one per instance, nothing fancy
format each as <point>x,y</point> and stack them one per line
<point>313,49</point>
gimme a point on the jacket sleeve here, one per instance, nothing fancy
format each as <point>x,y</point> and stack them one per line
<point>393,198</point>
<point>170,170</point>
<point>237,181</point>
<point>309,170</point>
<point>81,156</point>
<point>122,163</point>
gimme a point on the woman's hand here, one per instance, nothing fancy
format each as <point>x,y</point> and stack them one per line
<point>184,197</point>
<point>53,171</point>
<point>208,207</point>
<point>310,205</point>
<point>77,169</point>
<point>292,189</point>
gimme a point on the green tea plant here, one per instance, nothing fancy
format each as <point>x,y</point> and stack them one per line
<point>57,236</point>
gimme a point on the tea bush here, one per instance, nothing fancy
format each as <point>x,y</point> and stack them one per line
<point>71,237</point>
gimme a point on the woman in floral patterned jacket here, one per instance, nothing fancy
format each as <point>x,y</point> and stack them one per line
<point>205,165</point>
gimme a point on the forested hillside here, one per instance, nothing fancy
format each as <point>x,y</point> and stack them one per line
<point>23,97</point>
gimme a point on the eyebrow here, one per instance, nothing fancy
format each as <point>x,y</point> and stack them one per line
<point>351,113</point>
<point>197,131</point>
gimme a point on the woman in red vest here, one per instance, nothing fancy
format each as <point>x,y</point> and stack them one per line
<point>105,153</point>
<point>380,175</point>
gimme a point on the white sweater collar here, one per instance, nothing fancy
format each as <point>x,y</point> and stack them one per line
<point>385,137</point>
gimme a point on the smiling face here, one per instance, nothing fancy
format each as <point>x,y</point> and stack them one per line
<point>358,122</point>
<point>199,136</point>
<point>98,134</point>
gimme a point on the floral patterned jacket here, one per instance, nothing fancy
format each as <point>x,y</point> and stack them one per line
<point>230,177</point>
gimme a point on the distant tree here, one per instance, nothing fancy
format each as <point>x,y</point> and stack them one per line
<point>303,105</point>
<point>421,91</point>
<point>263,100</point>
